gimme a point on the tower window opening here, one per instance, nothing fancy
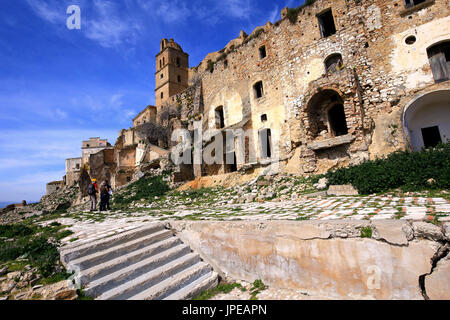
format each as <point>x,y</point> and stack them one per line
<point>258,89</point>
<point>262,52</point>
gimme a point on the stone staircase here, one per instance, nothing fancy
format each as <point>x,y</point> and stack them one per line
<point>147,263</point>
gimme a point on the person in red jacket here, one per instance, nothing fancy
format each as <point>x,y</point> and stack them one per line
<point>92,192</point>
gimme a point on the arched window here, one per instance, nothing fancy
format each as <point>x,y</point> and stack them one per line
<point>333,63</point>
<point>326,115</point>
<point>439,57</point>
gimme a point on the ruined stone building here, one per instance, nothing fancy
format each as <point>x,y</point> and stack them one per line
<point>333,83</point>
<point>73,169</point>
<point>92,146</point>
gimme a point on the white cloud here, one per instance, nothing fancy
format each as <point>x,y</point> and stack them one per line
<point>240,9</point>
<point>27,187</point>
<point>109,28</point>
<point>173,11</point>
<point>48,11</point>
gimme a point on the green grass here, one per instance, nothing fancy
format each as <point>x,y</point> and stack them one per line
<point>31,243</point>
<point>366,232</point>
<point>221,288</point>
<point>144,189</point>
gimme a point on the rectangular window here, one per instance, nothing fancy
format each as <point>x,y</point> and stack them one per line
<point>178,62</point>
<point>264,118</point>
<point>179,79</point>
<point>262,52</point>
<point>225,64</point>
<point>431,136</point>
<point>439,57</point>
<point>258,88</point>
<point>326,24</point>
<point>220,121</point>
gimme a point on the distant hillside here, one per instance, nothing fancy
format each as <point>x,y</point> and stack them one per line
<point>4,204</point>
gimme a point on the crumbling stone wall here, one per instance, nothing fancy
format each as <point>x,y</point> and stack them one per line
<point>383,46</point>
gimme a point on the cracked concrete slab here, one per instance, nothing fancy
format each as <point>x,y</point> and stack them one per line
<point>438,283</point>
<point>391,231</point>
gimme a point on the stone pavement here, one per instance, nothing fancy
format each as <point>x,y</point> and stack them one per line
<point>89,226</point>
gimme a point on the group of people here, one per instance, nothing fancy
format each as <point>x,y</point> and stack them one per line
<point>105,195</point>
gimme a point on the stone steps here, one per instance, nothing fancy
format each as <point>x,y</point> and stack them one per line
<point>146,263</point>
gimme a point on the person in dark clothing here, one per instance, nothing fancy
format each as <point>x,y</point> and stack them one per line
<point>108,198</point>
<point>92,192</point>
<point>104,196</point>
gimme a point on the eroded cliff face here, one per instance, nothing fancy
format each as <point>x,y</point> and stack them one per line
<point>399,260</point>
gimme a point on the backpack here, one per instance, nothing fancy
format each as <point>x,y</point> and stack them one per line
<point>104,189</point>
<point>91,189</point>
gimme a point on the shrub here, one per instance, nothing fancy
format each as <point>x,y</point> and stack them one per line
<point>292,13</point>
<point>146,188</point>
<point>31,243</point>
<point>409,171</point>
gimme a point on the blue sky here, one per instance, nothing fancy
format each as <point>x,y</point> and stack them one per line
<point>60,86</point>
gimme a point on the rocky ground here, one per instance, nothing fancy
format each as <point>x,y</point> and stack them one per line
<point>282,197</point>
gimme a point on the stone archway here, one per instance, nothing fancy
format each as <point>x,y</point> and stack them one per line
<point>426,119</point>
<point>326,115</point>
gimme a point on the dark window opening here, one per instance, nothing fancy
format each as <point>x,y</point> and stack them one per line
<point>439,57</point>
<point>179,79</point>
<point>225,64</point>
<point>410,40</point>
<point>162,75</point>
<point>334,63</point>
<point>412,3</point>
<point>77,166</point>
<point>258,88</point>
<point>326,24</point>
<point>160,63</point>
<point>178,62</point>
<point>128,179</point>
<point>264,118</point>
<point>162,95</point>
<point>336,118</point>
<point>220,121</point>
<point>231,163</point>
<point>88,145</point>
<point>431,136</point>
<point>262,52</point>
<point>265,139</point>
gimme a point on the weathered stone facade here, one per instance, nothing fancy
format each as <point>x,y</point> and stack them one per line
<point>332,92</point>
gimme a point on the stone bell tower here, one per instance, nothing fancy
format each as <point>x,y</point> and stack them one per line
<point>172,71</point>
